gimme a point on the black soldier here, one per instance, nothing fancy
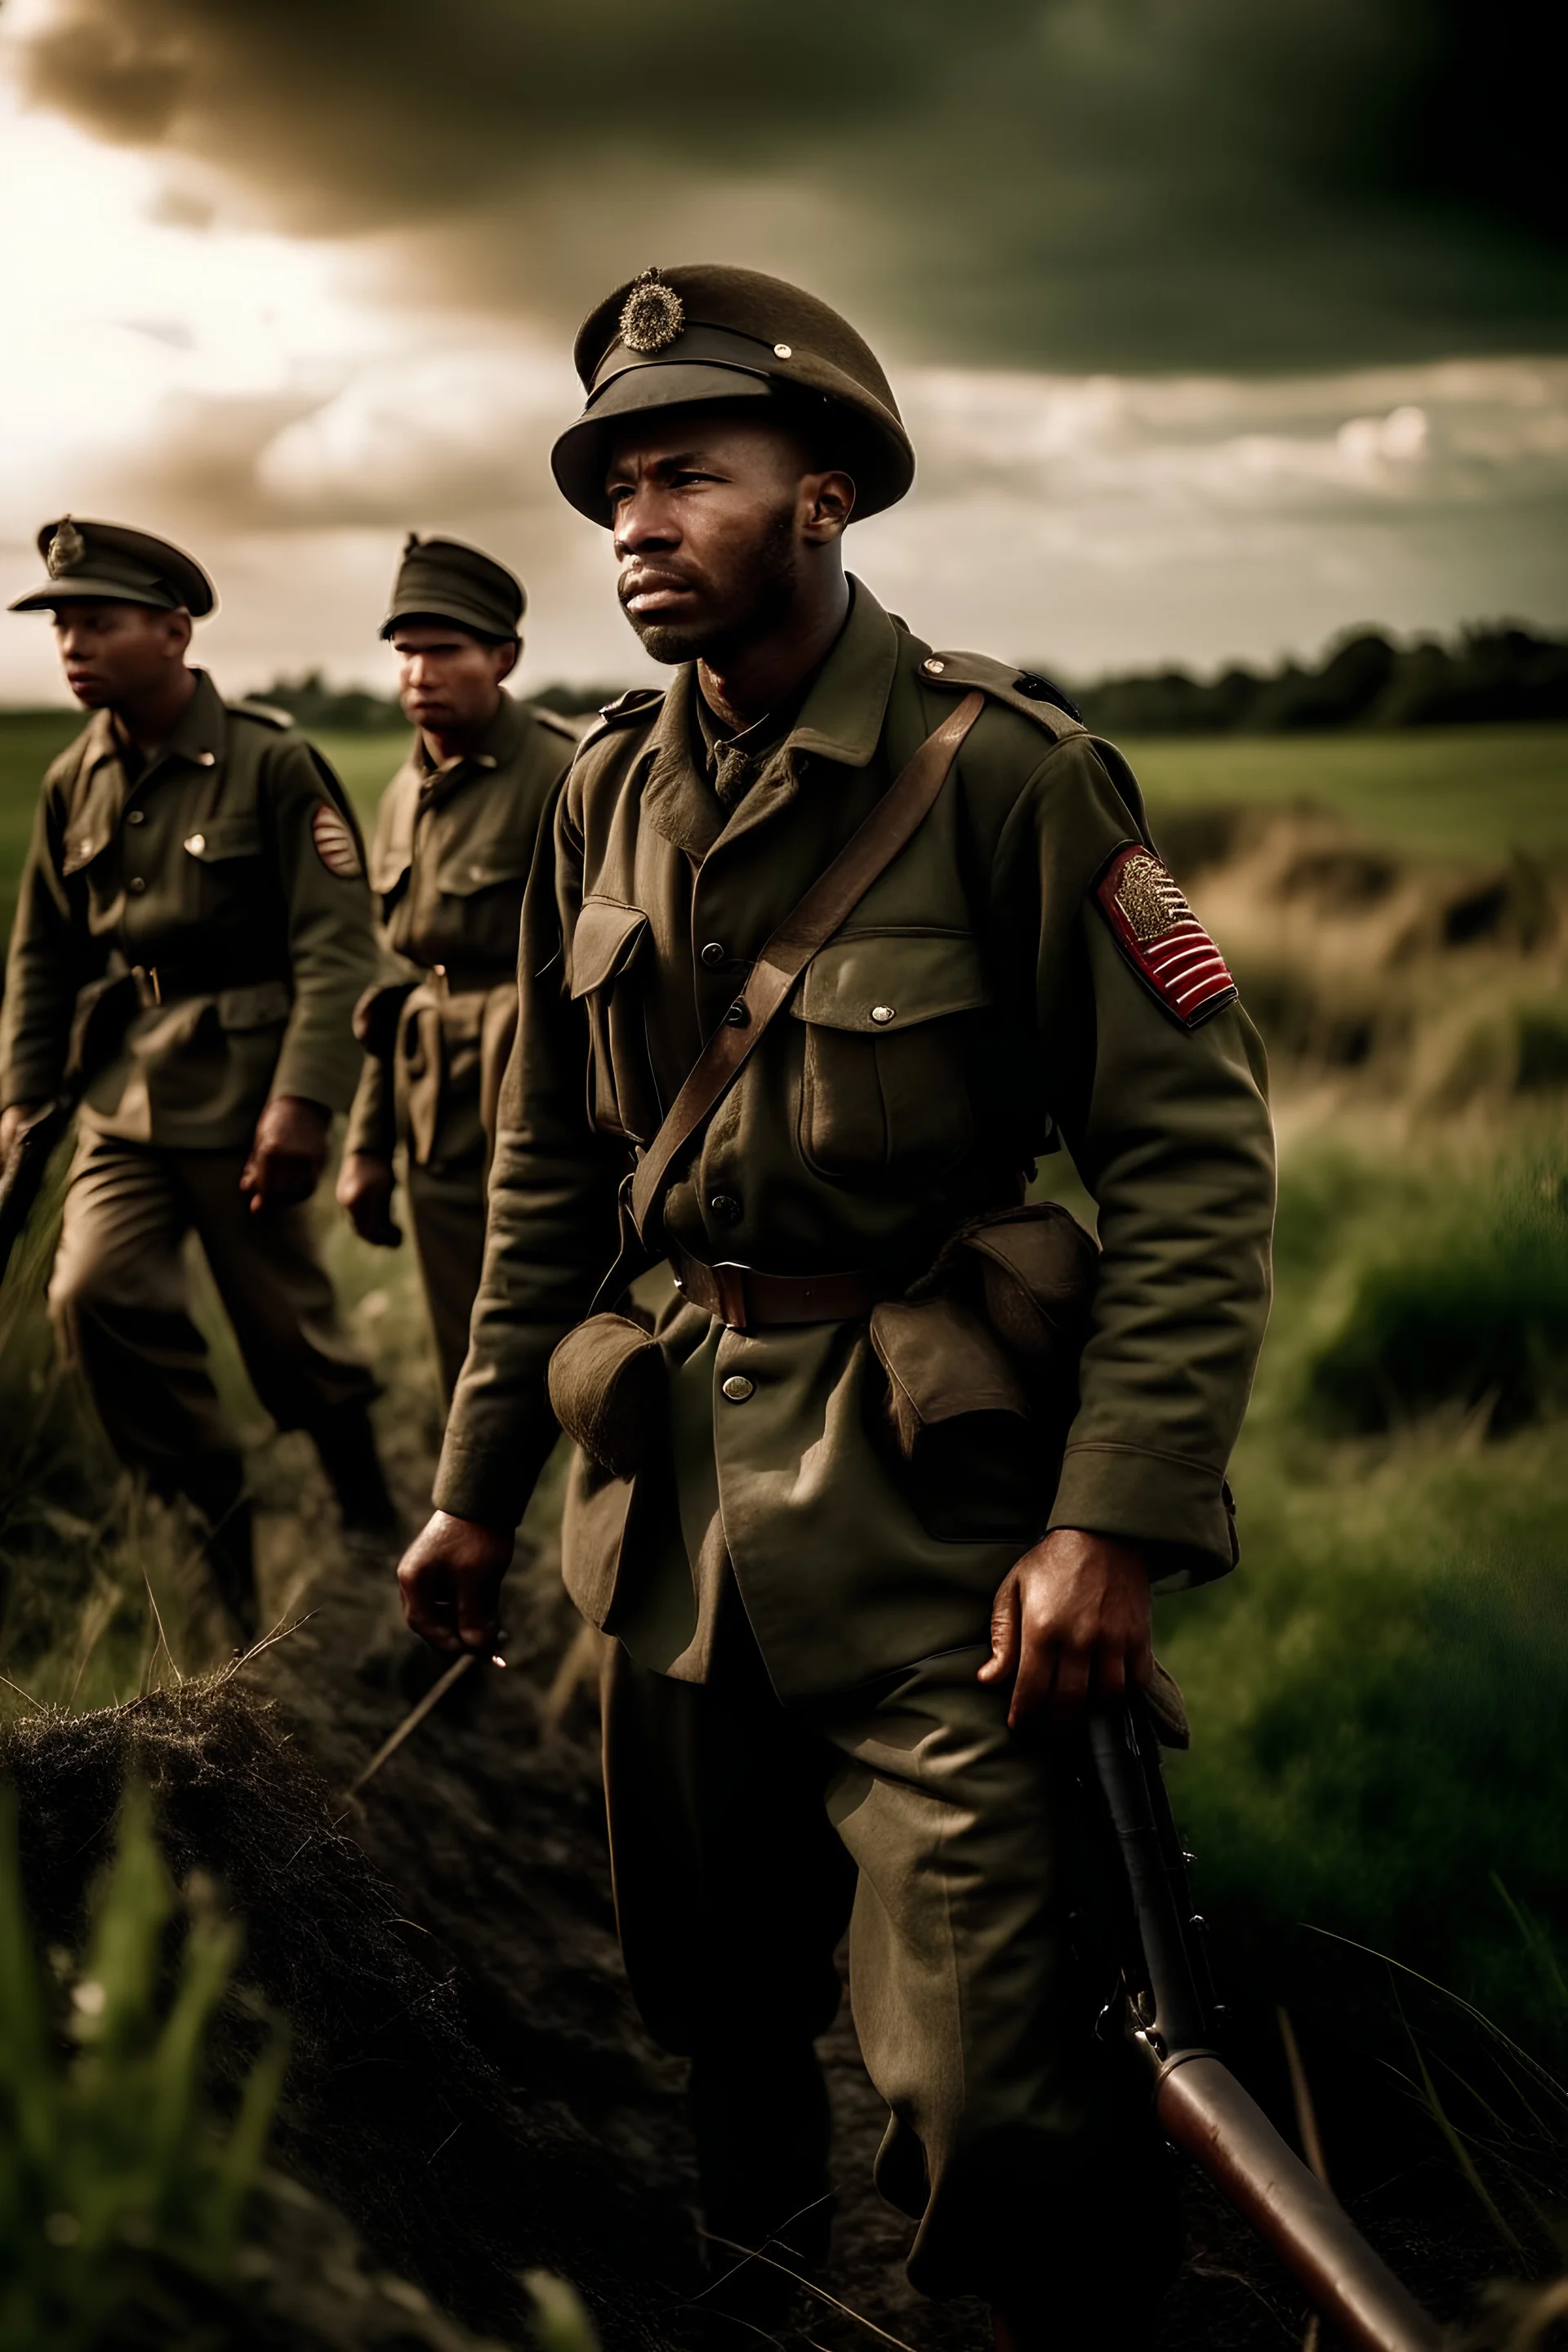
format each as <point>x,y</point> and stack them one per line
<point>192,931</point>
<point>454,837</point>
<point>886,1497</point>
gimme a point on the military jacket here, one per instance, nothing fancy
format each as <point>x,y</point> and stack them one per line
<point>191,939</point>
<point>977,1005</point>
<point>451,854</point>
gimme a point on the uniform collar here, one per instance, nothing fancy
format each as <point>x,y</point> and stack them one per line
<point>496,746</point>
<point>841,720</point>
<point>199,735</point>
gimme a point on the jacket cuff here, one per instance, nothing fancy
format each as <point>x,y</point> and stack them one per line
<point>1181,1507</point>
<point>489,1486</point>
<point>328,1078</point>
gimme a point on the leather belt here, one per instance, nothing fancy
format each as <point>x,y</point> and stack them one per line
<point>468,980</point>
<point>168,984</point>
<point>748,1300</point>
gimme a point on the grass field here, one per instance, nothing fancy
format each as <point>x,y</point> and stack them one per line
<point>1462,792</point>
<point>1379,1693</point>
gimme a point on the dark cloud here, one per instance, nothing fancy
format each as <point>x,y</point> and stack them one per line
<point>1118,183</point>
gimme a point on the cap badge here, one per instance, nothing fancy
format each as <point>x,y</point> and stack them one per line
<point>652,315</point>
<point>66,549</point>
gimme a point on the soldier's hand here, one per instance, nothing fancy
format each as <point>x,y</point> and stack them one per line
<point>364,1191</point>
<point>1072,1619</point>
<point>13,1120</point>
<point>450,1579</point>
<point>287,1153</point>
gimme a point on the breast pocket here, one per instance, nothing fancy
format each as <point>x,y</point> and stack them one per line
<point>883,1089</point>
<point>227,852</point>
<point>606,945</point>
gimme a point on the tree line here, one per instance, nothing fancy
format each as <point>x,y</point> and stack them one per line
<point>1489,673</point>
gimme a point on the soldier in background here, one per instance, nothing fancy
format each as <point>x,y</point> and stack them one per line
<point>191,933</point>
<point>455,838</point>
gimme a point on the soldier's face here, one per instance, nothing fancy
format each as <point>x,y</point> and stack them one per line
<point>714,516</point>
<point>113,653</point>
<point>448,681</point>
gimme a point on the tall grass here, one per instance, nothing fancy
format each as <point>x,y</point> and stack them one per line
<point>119,2178</point>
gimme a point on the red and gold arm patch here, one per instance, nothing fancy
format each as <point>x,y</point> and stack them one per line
<point>335,844</point>
<point>1161,938</point>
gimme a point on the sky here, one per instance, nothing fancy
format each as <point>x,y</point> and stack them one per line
<point>1218,330</point>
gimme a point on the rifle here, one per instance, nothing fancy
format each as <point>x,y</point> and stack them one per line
<point>23,1173</point>
<point>1198,2102</point>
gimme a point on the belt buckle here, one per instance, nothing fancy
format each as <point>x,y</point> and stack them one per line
<point>730,1279</point>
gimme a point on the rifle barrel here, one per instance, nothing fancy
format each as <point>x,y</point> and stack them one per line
<point>1203,2109</point>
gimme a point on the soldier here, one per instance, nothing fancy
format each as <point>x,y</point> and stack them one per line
<point>866,1524</point>
<point>455,836</point>
<point>191,933</point>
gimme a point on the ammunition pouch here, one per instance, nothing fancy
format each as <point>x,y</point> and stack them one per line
<point>608,1389</point>
<point>377,1013</point>
<point>981,1361</point>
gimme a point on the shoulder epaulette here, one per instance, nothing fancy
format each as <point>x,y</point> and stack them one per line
<point>1021,689</point>
<point>572,729</point>
<point>267,713</point>
<point>637,702</point>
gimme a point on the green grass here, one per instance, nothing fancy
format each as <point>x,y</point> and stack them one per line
<point>1452,792</point>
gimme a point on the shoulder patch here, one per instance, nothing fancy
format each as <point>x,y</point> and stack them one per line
<point>335,845</point>
<point>1161,937</point>
<point>1033,698</point>
<point>269,713</point>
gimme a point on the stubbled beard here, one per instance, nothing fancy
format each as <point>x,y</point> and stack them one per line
<point>769,587</point>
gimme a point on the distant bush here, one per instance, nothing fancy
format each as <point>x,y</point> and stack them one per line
<point>1489,673</point>
<point>1473,1310</point>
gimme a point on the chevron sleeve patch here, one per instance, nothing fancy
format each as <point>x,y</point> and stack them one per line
<point>1161,938</point>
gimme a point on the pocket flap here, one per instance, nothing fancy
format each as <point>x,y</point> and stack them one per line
<point>941,1363</point>
<point>482,865</point>
<point>606,938</point>
<point>607,1388</point>
<point>218,837</point>
<point>877,982</point>
<point>81,848</point>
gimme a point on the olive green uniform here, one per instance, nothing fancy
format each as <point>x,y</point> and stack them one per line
<point>975,1008</point>
<point>452,850</point>
<point>192,934</point>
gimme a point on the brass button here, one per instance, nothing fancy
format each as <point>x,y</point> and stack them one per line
<point>135,817</point>
<point>196,844</point>
<point>739,1015</point>
<point>882,1013</point>
<point>136,886</point>
<point>935,666</point>
<point>783,351</point>
<point>738,1388</point>
<point>726,1208</point>
<point>206,758</point>
<point>713,954</point>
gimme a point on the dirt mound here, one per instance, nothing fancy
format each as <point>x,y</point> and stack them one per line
<point>457,2178</point>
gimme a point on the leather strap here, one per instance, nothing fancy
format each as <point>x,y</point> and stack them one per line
<point>830,900</point>
<point>748,1300</point>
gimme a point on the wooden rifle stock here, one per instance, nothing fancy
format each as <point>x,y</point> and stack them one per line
<point>1198,2102</point>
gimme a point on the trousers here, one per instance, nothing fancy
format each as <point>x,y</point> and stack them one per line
<point>963,1860</point>
<point>120,1294</point>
